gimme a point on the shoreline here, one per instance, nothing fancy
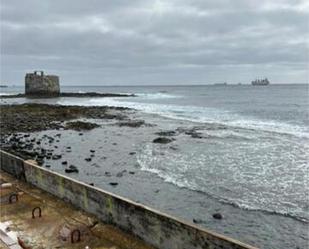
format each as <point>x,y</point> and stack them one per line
<point>117,147</point>
<point>69,94</point>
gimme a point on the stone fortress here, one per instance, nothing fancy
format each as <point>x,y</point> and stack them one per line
<point>38,84</point>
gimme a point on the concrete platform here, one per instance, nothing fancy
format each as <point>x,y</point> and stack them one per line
<point>18,226</point>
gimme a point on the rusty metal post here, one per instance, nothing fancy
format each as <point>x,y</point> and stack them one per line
<point>33,211</point>
<point>11,198</point>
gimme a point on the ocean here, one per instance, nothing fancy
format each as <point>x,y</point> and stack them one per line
<point>255,154</point>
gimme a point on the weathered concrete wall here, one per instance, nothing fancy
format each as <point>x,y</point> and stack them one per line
<point>155,228</point>
<point>41,85</point>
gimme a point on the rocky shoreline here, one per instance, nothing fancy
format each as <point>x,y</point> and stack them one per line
<point>19,121</point>
<point>72,95</point>
<point>28,118</point>
<point>39,117</point>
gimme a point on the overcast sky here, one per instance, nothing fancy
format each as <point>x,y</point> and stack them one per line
<point>112,42</point>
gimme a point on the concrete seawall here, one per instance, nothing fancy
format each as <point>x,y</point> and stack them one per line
<point>155,228</point>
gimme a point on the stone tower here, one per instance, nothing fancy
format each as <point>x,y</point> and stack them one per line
<point>37,84</point>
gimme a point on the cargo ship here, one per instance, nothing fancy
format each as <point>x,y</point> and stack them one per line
<point>260,82</point>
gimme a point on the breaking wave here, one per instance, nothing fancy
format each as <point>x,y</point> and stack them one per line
<point>197,114</point>
<point>244,186</point>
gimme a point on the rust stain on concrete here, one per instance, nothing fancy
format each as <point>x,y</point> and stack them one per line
<point>53,229</point>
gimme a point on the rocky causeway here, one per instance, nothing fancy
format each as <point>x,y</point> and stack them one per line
<point>70,94</point>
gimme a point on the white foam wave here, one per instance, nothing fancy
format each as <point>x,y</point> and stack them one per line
<point>159,95</point>
<point>189,185</point>
<point>199,114</point>
<point>6,94</point>
<point>246,184</point>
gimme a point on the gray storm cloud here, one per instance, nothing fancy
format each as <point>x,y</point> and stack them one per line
<point>155,42</point>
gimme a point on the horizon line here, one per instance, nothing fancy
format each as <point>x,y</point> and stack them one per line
<point>168,84</point>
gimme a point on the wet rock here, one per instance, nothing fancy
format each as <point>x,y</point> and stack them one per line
<point>40,156</point>
<point>173,148</point>
<point>196,135</point>
<point>71,169</point>
<point>95,165</point>
<point>56,157</point>
<point>120,174</point>
<point>30,153</point>
<point>40,162</point>
<point>166,133</point>
<point>107,173</point>
<point>193,132</point>
<point>132,123</point>
<point>162,140</point>
<point>197,221</point>
<point>80,125</point>
<point>217,216</point>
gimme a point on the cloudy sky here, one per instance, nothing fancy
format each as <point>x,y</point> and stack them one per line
<point>113,42</point>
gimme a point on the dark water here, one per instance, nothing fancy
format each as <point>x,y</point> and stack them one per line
<point>256,157</point>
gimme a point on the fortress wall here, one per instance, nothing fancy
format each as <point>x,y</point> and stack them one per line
<point>154,227</point>
<point>45,85</point>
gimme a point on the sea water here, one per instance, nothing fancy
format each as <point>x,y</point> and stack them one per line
<point>256,152</point>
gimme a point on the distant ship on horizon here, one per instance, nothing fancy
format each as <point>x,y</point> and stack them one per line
<point>260,82</point>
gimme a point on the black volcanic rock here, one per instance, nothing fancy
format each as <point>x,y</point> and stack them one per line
<point>80,125</point>
<point>163,140</point>
<point>166,133</point>
<point>71,169</point>
<point>132,123</point>
<point>217,216</point>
